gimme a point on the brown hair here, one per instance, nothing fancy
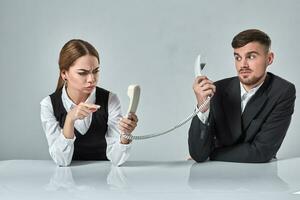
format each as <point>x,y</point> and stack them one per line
<point>251,35</point>
<point>70,52</point>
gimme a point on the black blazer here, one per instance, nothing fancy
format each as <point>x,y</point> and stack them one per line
<point>255,135</point>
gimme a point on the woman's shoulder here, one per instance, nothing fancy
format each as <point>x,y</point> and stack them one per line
<point>47,99</point>
<point>46,108</point>
<point>46,102</point>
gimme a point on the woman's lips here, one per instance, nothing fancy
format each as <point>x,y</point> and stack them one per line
<point>90,87</point>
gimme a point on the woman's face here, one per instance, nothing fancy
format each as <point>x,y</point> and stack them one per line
<point>83,75</point>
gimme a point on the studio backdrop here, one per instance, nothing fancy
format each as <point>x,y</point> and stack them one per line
<point>151,43</point>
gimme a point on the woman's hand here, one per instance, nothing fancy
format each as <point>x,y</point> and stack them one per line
<point>127,125</point>
<point>82,110</point>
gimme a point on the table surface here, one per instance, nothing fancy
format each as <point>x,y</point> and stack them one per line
<point>42,179</point>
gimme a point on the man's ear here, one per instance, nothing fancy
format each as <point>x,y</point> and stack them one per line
<point>270,58</point>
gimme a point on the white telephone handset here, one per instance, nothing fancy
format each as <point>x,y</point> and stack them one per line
<point>133,93</point>
<point>199,65</point>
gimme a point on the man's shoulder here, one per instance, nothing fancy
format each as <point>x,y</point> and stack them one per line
<point>279,82</point>
<point>278,87</point>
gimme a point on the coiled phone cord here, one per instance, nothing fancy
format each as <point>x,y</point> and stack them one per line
<point>147,136</point>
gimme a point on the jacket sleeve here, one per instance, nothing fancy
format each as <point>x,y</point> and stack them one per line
<point>267,141</point>
<point>200,140</point>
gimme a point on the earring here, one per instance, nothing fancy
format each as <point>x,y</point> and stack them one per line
<point>65,81</point>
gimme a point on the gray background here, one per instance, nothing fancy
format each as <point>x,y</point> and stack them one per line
<point>152,43</point>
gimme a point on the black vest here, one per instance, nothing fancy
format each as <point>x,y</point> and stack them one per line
<point>92,145</point>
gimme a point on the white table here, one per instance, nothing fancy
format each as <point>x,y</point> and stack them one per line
<point>41,179</point>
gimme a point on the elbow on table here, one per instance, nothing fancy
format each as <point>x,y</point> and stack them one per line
<point>265,158</point>
<point>199,157</point>
<point>63,164</point>
<point>116,162</point>
<point>261,155</point>
<point>59,161</point>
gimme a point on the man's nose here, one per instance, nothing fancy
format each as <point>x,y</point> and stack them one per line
<point>245,62</point>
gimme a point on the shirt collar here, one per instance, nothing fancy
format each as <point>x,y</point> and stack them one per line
<point>250,92</point>
<point>70,104</point>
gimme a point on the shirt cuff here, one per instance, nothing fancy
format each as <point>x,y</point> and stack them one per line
<point>65,142</point>
<point>203,116</point>
<point>124,147</point>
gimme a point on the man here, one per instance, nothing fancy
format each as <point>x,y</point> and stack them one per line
<point>248,115</point>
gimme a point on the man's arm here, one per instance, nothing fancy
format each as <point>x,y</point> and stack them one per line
<point>200,140</point>
<point>269,138</point>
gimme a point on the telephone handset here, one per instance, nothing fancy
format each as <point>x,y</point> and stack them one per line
<point>199,65</point>
<point>134,94</point>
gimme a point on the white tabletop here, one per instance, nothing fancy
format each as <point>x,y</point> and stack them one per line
<point>41,179</point>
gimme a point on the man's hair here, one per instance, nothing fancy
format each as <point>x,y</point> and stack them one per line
<point>251,35</point>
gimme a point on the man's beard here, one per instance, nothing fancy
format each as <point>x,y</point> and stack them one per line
<point>249,81</point>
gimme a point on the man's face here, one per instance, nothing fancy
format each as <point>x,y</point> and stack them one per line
<point>251,62</point>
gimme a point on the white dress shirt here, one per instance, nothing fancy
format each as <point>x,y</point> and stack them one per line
<point>61,149</point>
<point>245,97</point>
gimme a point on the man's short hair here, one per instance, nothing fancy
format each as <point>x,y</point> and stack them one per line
<point>251,35</point>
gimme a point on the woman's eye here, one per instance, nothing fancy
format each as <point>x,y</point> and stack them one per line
<point>82,73</point>
<point>96,71</point>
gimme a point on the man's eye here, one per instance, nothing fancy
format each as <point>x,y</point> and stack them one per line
<point>251,57</point>
<point>237,58</point>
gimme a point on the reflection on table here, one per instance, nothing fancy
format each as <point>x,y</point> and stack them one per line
<point>41,179</point>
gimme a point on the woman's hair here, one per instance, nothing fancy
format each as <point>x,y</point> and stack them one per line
<point>70,52</point>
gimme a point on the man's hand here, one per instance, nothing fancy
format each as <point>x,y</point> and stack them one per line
<point>203,88</point>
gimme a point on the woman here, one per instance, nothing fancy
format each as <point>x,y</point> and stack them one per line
<point>79,118</point>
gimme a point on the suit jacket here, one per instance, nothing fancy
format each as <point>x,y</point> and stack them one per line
<point>255,135</point>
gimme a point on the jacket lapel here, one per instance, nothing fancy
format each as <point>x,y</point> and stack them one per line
<point>255,104</point>
<point>232,108</point>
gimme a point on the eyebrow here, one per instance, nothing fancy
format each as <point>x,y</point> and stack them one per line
<point>84,70</point>
<point>250,52</point>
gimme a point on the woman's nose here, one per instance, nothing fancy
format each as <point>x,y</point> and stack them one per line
<point>91,78</point>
